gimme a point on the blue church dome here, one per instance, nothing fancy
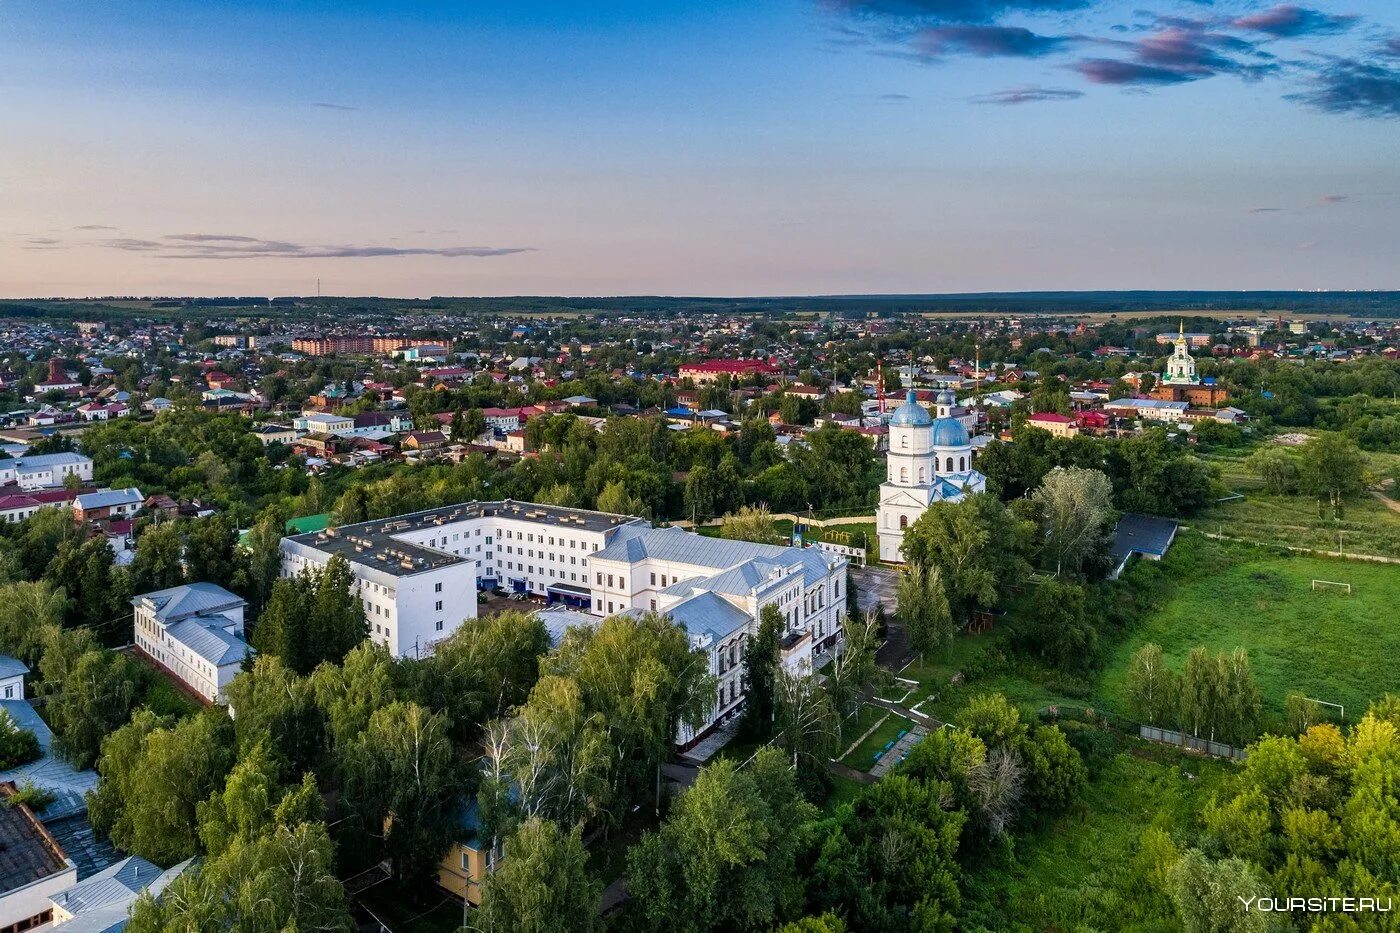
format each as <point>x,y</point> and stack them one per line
<point>911,414</point>
<point>949,432</point>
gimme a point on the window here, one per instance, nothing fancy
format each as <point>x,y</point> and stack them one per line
<point>653,579</point>
<point>903,522</point>
<point>439,625</point>
<point>439,605</point>
<point>950,464</point>
<point>904,440</point>
<point>921,475</point>
<point>904,474</point>
<point>437,587</point>
<point>962,463</point>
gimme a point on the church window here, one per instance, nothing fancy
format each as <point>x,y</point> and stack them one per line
<point>921,476</point>
<point>903,522</point>
<point>904,474</point>
<point>950,464</point>
<point>962,463</point>
<point>904,440</point>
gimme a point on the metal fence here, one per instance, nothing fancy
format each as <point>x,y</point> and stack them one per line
<point>1193,742</point>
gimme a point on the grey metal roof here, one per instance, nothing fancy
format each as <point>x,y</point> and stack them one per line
<point>44,461</point>
<point>109,497</point>
<point>686,547</point>
<point>709,614</point>
<point>205,638</point>
<point>103,902</point>
<point>68,785</point>
<point>190,599</point>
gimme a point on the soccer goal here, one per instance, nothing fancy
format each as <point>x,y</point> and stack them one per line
<point>1331,586</point>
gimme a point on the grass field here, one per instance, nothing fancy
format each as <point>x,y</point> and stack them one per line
<point>1367,526</point>
<point>862,757</point>
<point>1076,873</point>
<point>1324,644</point>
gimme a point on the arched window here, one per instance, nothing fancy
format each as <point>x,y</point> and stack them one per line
<point>921,476</point>
<point>904,440</point>
<point>904,474</point>
<point>903,522</point>
<point>950,464</point>
<point>962,463</point>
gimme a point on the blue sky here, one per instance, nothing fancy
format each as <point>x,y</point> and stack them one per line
<point>796,147</point>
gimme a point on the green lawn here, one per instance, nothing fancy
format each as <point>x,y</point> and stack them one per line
<point>1326,645</point>
<point>1221,595</point>
<point>862,757</point>
<point>1367,525</point>
<point>1077,872</point>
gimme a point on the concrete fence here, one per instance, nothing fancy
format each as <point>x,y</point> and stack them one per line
<point>1193,742</point>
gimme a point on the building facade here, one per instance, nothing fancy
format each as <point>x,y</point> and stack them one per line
<point>417,576</point>
<point>194,631</point>
<point>1180,382</point>
<point>45,471</point>
<point>929,460</point>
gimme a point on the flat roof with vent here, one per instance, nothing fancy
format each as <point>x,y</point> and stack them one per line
<point>379,544</point>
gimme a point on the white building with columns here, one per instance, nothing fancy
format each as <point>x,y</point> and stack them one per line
<point>929,460</point>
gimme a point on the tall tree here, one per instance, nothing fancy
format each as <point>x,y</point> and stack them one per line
<point>726,857</point>
<point>761,666</point>
<point>402,779</point>
<point>27,612</point>
<point>1151,686</point>
<point>549,761</point>
<point>92,698</point>
<point>264,557</point>
<point>542,886</point>
<point>484,668</point>
<point>1077,516</point>
<point>853,670</point>
<point>923,605</point>
<point>283,880</point>
<point>159,560</point>
<point>806,720</point>
<point>154,777</point>
<point>277,713</point>
<point>98,590</point>
<point>888,864</point>
<point>977,544</point>
<point>645,681</point>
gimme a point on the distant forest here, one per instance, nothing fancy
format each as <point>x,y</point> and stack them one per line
<point>1363,304</point>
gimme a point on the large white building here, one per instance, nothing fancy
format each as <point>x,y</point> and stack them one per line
<point>194,631</point>
<point>418,574</point>
<point>929,460</point>
<point>45,470</point>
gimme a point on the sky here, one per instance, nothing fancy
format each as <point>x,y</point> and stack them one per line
<point>762,147</point>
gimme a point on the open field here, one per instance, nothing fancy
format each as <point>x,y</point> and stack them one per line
<point>1367,526</point>
<point>1077,872</point>
<point>1323,644</point>
<point>1326,645</point>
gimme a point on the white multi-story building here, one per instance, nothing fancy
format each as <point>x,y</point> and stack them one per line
<point>417,576</point>
<point>194,631</point>
<point>45,470</point>
<point>929,460</point>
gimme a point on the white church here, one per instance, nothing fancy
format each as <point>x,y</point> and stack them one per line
<point>930,460</point>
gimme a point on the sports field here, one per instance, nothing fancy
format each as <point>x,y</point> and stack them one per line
<point>1324,644</point>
